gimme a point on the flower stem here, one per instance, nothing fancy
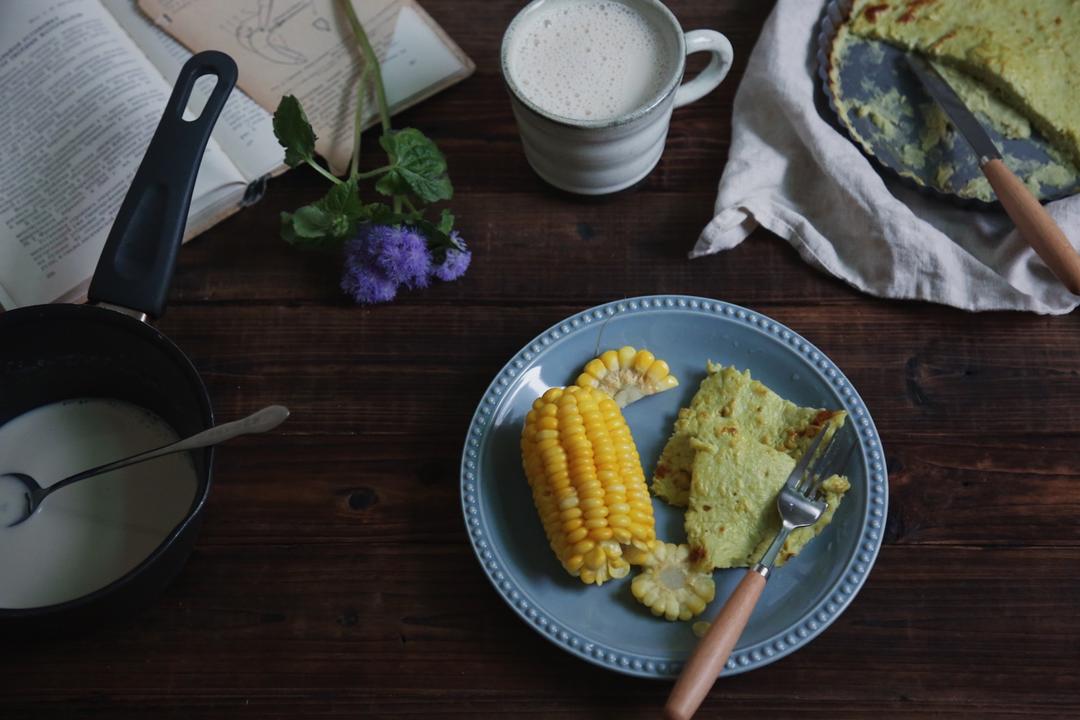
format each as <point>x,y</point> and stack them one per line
<point>358,120</point>
<point>397,204</point>
<point>372,63</point>
<point>408,204</point>
<point>322,171</point>
<point>373,173</point>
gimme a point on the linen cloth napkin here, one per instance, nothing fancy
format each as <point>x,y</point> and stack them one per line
<point>794,173</point>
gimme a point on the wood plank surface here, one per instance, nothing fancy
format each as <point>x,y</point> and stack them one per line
<point>333,576</point>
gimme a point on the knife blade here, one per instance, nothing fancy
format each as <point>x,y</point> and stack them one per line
<point>954,107</point>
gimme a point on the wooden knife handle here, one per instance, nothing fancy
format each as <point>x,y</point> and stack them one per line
<point>712,652</point>
<point>1035,224</point>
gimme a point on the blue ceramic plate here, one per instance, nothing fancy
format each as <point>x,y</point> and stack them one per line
<point>605,625</point>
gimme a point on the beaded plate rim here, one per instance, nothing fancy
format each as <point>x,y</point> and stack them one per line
<point>813,622</point>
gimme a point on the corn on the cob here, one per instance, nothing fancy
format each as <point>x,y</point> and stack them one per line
<point>667,584</point>
<point>587,482</point>
<point>627,375</point>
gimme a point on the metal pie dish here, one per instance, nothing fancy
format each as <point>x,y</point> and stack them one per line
<point>875,68</point>
<point>605,625</point>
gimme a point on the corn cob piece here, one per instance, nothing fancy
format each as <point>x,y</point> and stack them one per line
<point>587,482</point>
<point>668,586</point>
<point>627,375</point>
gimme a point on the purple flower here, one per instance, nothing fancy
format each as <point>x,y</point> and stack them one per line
<point>400,252</point>
<point>362,281</point>
<point>456,262</point>
<point>383,257</point>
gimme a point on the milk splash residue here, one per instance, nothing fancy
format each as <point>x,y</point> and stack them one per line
<point>86,536</point>
<point>589,60</point>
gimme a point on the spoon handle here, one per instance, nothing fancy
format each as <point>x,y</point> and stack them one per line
<point>258,422</point>
<point>266,419</point>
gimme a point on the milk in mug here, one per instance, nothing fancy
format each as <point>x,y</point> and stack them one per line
<point>588,60</point>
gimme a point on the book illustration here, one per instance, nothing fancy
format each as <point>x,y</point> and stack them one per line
<point>265,33</point>
<point>305,48</point>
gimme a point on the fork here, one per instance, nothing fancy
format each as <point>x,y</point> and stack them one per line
<point>800,503</point>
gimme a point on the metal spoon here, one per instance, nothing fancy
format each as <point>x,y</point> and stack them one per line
<point>266,419</point>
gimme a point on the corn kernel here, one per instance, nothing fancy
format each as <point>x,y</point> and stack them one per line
<point>596,368</point>
<point>643,360</point>
<point>657,371</point>
<point>586,380</point>
<point>583,546</point>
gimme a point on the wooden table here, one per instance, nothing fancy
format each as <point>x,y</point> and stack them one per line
<point>333,576</point>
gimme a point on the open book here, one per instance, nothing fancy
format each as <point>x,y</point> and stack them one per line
<point>85,83</point>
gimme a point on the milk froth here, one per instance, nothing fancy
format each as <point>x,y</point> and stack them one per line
<point>590,60</point>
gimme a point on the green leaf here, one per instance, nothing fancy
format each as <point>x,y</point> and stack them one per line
<point>297,230</point>
<point>293,131</point>
<point>312,222</point>
<point>376,211</point>
<point>446,221</point>
<point>328,222</point>
<point>343,200</point>
<point>307,228</point>
<point>416,166</point>
<point>383,214</point>
<point>344,207</point>
<point>288,234</point>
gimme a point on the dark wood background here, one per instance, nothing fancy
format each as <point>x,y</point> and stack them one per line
<point>333,576</point>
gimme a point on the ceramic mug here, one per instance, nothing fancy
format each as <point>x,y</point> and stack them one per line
<point>594,157</point>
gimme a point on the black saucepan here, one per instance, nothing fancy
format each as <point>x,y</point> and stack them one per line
<point>106,348</point>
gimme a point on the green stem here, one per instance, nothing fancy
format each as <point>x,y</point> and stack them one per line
<point>322,171</point>
<point>372,63</point>
<point>397,204</point>
<point>408,204</point>
<point>358,121</point>
<point>372,173</point>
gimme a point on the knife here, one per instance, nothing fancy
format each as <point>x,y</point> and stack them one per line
<point>1031,219</point>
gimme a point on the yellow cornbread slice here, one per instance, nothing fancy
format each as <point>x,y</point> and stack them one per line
<point>728,398</point>
<point>732,515</point>
<point>1025,50</point>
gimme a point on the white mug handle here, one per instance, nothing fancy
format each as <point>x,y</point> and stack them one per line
<point>714,73</point>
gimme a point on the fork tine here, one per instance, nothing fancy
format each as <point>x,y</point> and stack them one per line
<point>825,454</point>
<point>795,478</point>
<point>815,461</point>
<point>833,467</point>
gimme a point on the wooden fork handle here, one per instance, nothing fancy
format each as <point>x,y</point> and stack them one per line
<point>1035,224</point>
<point>712,652</point>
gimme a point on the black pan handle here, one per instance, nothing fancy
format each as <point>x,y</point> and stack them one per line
<point>136,265</point>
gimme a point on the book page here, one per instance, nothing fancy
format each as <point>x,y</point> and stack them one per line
<point>244,131</point>
<point>80,106</point>
<point>305,48</point>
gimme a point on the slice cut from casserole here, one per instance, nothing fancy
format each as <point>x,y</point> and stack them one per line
<point>727,398</point>
<point>732,516</point>
<point>1025,50</point>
